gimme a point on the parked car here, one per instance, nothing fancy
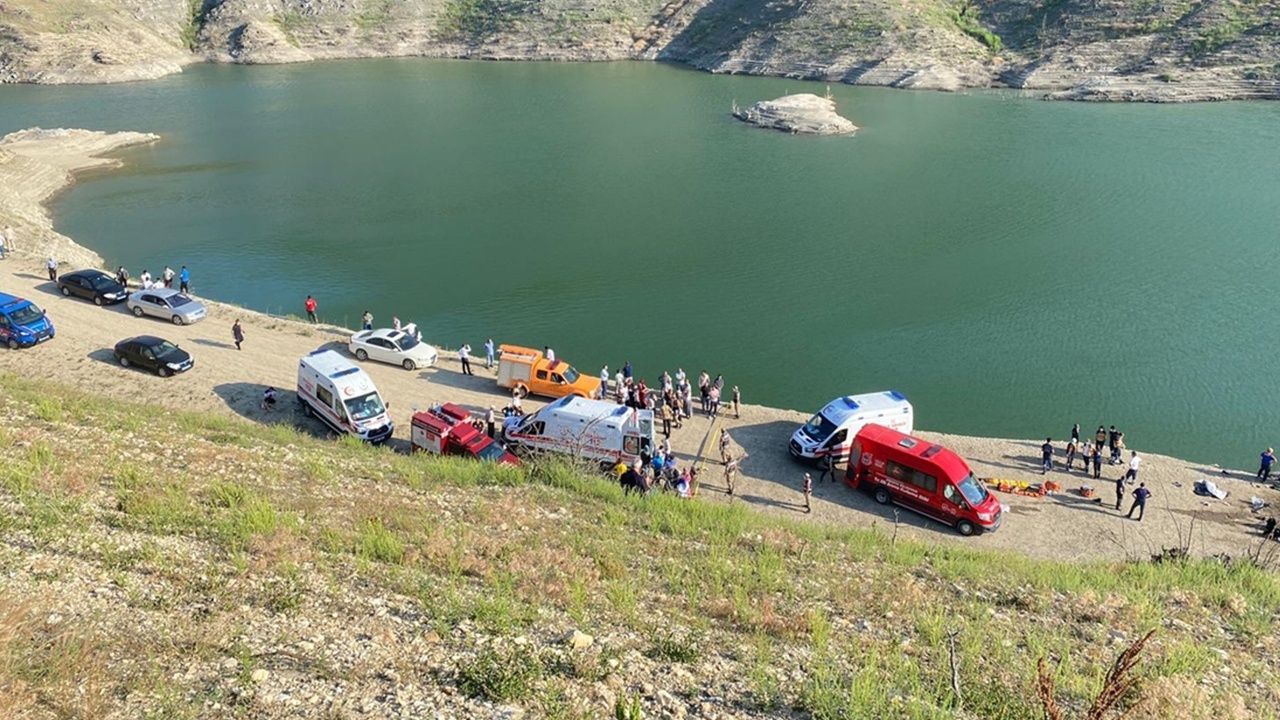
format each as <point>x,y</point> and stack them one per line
<point>93,285</point>
<point>156,354</point>
<point>167,303</point>
<point>392,346</point>
<point>22,322</point>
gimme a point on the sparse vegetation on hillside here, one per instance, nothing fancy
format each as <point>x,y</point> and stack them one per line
<point>232,569</point>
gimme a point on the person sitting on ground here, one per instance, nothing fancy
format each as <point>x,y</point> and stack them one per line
<point>269,399</point>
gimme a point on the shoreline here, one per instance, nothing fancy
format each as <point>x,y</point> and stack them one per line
<point>35,165</point>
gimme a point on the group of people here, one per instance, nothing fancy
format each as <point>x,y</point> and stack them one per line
<point>672,401</point>
<point>660,469</point>
<point>1090,453</point>
<point>164,280</point>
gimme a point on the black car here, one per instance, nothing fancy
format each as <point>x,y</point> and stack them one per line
<point>93,285</point>
<point>153,353</point>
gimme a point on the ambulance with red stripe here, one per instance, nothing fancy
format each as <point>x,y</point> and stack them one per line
<point>343,397</point>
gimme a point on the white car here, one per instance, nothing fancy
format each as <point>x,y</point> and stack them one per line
<point>392,346</point>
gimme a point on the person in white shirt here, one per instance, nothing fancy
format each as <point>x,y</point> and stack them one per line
<point>604,381</point>
<point>167,276</point>
<point>145,279</point>
<point>464,354</point>
<point>395,322</point>
<point>549,353</point>
<point>52,266</point>
<point>1134,462</point>
<point>488,353</point>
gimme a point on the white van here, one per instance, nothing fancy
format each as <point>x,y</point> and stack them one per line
<point>342,396</point>
<point>831,431</point>
<point>594,429</point>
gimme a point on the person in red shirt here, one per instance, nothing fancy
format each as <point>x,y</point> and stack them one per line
<point>311,308</point>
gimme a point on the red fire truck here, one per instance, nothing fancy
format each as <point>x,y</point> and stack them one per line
<point>448,430</point>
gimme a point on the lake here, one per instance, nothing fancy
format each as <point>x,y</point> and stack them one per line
<point>1012,266</point>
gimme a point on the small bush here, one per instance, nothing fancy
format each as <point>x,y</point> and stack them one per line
<point>670,648</point>
<point>500,675</point>
<point>375,542</point>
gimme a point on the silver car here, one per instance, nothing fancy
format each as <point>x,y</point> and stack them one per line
<point>166,303</point>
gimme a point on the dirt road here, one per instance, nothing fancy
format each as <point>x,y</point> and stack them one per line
<point>224,380</point>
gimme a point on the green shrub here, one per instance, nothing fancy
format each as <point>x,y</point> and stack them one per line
<point>500,675</point>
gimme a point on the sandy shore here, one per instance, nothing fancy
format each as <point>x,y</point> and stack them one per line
<point>36,165</point>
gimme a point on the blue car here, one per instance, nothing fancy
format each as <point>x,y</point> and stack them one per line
<point>22,322</point>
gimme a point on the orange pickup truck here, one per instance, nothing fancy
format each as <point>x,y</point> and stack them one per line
<point>527,372</point>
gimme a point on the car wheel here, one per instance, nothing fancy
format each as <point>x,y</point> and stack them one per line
<point>137,311</point>
<point>162,371</point>
<point>883,497</point>
<point>124,361</point>
<point>66,291</point>
<point>409,365</point>
<point>361,355</point>
<point>177,319</point>
<point>522,391</point>
<point>965,528</point>
<point>13,344</point>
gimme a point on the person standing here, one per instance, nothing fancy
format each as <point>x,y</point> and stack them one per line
<point>310,305</point>
<point>516,402</point>
<point>1100,437</point>
<point>1111,440</point>
<point>184,280</point>
<point>704,387</point>
<point>52,266</point>
<point>730,473</point>
<point>1264,470</point>
<point>10,239</point>
<point>366,320</point>
<point>1071,452</point>
<point>666,419</point>
<point>1119,492</point>
<point>827,463</point>
<point>145,279</point>
<point>167,276</point>
<point>724,445</point>
<point>550,354</point>
<point>604,382</point>
<point>488,353</point>
<point>1134,462</point>
<point>237,333</point>
<point>1075,433</point>
<point>4,242</point>
<point>122,276</point>
<point>1140,497</point>
<point>737,401</point>
<point>488,421</point>
<point>395,323</point>
<point>464,354</point>
<point>1046,456</point>
<point>808,492</point>
<point>713,401</point>
<point>1096,455</point>
<point>626,370</point>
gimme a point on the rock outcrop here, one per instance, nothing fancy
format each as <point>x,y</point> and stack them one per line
<point>802,114</point>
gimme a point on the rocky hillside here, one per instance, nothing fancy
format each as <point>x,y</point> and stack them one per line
<point>1089,49</point>
<point>156,564</point>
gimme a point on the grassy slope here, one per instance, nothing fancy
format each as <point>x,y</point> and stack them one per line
<point>179,546</point>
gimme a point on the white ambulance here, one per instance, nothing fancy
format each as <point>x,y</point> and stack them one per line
<point>342,396</point>
<point>831,431</point>
<point>582,427</point>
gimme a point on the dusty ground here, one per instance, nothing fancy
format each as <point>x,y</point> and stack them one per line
<point>1064,526</point>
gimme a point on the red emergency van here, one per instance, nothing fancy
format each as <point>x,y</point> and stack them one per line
<point>447,430</point>
<point>921,476</point>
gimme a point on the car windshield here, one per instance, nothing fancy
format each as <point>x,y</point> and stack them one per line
<point>819,427</point>
<point>365,407</point>
<point>973,490</point>
<point>102,282</point>
<point>162,348</point>
<point>26,315</point>
<point>492,452</point>
<point>179,300</point>
<point>570,375</point>
<point>408,342</point>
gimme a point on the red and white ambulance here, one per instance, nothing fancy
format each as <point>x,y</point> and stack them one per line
<point>921,476</point>
<point>343,397</point>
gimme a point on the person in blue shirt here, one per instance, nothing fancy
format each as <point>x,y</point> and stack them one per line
<point>184,279</point>
<point>1268,459</point>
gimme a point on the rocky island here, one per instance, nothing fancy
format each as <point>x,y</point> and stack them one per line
<point>802,114</point>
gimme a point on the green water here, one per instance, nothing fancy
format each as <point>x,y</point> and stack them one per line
<point>1012,266</point>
